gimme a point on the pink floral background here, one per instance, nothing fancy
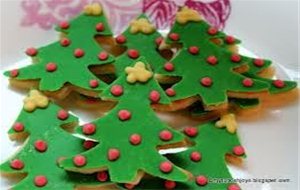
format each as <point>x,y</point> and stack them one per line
<point>46,13</point>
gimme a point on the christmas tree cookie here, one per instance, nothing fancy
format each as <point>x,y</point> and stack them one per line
<point>63,66</point>
<point>130,134</point>
<point>41,124</point>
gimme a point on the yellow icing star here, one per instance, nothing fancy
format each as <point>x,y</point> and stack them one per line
<point>229,122</point>
<point>93,9</point>
<point>35,100</point>
<point>186,14</point>
<point>141,25</point>
<point>138,73</point>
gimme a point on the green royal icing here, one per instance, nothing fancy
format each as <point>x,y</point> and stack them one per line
<point>114,133</point>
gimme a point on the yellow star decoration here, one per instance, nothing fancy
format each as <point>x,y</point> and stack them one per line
<point>34,100</point>
<point>186,14</point>
<point>93,9</point>
<point>141,25</point>
<point>138,73</point>
<point>229,122</point>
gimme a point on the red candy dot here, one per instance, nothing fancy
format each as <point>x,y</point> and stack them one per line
<point>154,96</point>
<point>120,39</point>
<point>194,50</point>
<point>40,145</point>
<point>278,83</point>
<point>64,25</point>
<point>212,31</point>
<point>18,127</point>
<point>40,181</point>
<point>247,82</point>
<point>258,62</point>
<point>65,42</point>
<point>165,135</point>
<point>89,129</point>
<point>191,131</point>
<point>31,51</point>
<point>206,81</point>
<point>169,66</point>
<point>113,154</point>
<point>14,73</point>
<point>100,27</point>
<point>212,60</point>
<point>158,40</point>
<point>102,176</point>
<point>129,186</point>
<point>201,180</point>
<point>132,53</point>
<point>62,115</point>
<point>235,58</point>
<point>103,56</point>
<point>195,156</point>
<point>229,39</point>
<point>124,115</point>
<point>94,83</point>
<point>166,167</point>
<point>116,90</point>
<point>170,184</point>
<point>51,67</point>
<point>79,160</point>
<point>170,92</point>
<point>174,36</point>
<point>88,144</point>
<point>78,53</point>
<point>233,187</point>
<point>16,164</point>
<point>135,139</point>
<point>238,150</point>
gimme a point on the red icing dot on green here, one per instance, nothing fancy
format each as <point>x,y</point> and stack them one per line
<point>31,51</point>
<point>212,31</point>
<point>174,36</point>
<point>229,39</point>
<point>212,60</point>
<point>191,131</point>
<point>194,50</point>
<point>18,127</point>
<point>102,176</point>
<point>170,92</point>
<point>62,115</point>
<point>201,180</point>
<point>113,154</point>
<point>88,144</point>
<point>65,42</point>
<point>120,39</point>
<point>79,160</point>
<point>247,82</point>
<point>158,40</point>
<point>116,90</point>
<point>133,53</point>
<point>154,96</point>
<point>51,67</point>
<point>278,83</point>
<point>135,139</point>
<point>195,156</point>
<point>129,186</point>
<point>169,66</point>
<point>78,53</point>
<point>165,135</point>
<point>40,181</point>
<point>124,115</point>
<point>16,164</point>
<point>233,187</point>
<point>14,73</point>
<point>94,83</point>
<point>103,56</point>
<point>206,81</point>
<point>64,25</point>
<point>235,58</point>
<point>238,150</point>
<point>100,27</point>
<point>258,62</point>
<point>89,129</point>
<point>170,184</point>
<point>40,145</point>
<point>166,167</point>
